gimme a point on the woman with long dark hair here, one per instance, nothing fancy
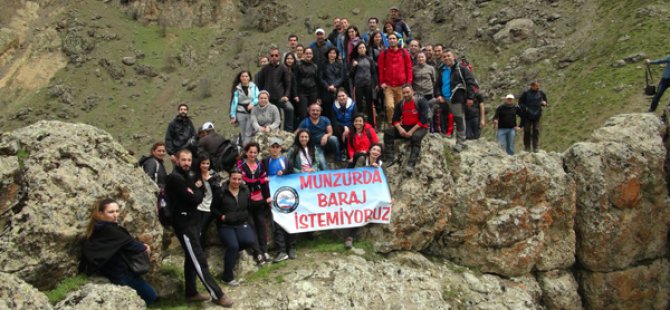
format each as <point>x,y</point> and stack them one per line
<point>243,99</point>
<point>105,246</point>
<point>232,221</point>
<point>303,156</point>
<point>255,176</point>
<point>332,76</point>
<point>307,76</point>
<point>376,45</point>
<point>203,176</point>
<point>351,38</point>
<point>363,75</point>
<point>389,29</point>
<point>360,138</point>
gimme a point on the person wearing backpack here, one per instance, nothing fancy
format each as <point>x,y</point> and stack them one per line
<point>531,103</point>
<point>395,70</point>
<point>153,164</point>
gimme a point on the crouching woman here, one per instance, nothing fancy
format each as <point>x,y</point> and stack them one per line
<point>105,246</point>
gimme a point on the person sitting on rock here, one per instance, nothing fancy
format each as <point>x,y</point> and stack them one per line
<point>105,245</point>
<point>343,114</point>
<point>410,121</point>
<point>210,143</point>
<point>265,117</point>
<point>321,131</point>
<point>360,138</point>
<point>304,156</point>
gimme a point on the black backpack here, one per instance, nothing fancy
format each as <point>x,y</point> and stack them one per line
<point>230,153</point>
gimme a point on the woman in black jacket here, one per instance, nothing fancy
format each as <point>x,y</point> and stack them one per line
<point>232,221</point>
<point>307,77</point>
<point>363,74</point>
<point>333,76</point>
<point>105,245</point>
<point>153,164</point>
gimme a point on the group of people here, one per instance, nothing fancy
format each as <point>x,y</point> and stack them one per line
<point>306,90</point>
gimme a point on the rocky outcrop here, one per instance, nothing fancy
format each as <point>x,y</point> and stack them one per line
<point>102,296</point>
<point>47,197</point>
<point>183,14</point>
<point>511,214</point>
<point>623,213</point>
<point>17,294</point>
<point>559,290</point>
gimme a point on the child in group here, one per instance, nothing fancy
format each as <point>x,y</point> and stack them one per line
<point>277,164</point>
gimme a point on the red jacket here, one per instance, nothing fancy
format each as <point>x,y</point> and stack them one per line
<point>395,67</point>
<point>361,143</point>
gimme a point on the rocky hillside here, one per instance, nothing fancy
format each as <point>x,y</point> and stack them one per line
<point>123,65</point>
<point>587,228</point>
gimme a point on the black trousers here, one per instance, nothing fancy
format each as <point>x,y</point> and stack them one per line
<point>258,211</point>
<point>195,263</point>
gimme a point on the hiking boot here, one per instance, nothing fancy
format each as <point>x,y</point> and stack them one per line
<point>224,301</point>
<point>232,283</point>
<point>348,244</point>
<point>292,254</point>
<point>198,297</point>
<point>280,257</point>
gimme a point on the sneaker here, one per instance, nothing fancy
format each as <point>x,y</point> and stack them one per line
<point>292,254</point>
<point>232,283</point>
<point>224,301</point>
<point>280,257</point>
<point>260,260</point>
<point>267,257</point>
<point>198,297</point>
<point>348,244</point>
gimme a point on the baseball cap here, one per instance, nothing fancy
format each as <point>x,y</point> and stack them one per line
<point>319,30</point>
<point>275,140</point>
<point>509,96</point>
<point>207,126</point>
<point>394,8</point>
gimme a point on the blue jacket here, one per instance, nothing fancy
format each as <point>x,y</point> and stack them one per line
<point>344,115</point>
<point>666,61</point>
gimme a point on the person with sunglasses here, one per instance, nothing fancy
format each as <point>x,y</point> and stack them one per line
<point>275,78</point>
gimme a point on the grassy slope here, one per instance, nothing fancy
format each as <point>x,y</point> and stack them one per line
<point>582,96</point>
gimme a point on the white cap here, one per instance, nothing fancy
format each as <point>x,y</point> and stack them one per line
<point>207,126</point>
<point>319,30</point>
<point>509,96</point>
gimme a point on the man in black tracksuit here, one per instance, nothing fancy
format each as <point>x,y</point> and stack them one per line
<point>179,133</point>
<point>184,197</point>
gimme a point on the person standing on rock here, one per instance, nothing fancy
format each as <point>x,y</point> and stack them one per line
<point>531,103</point>
<point>399,24</point>
<point>320,47</point>
<point>307,78</point>
<point>410,122</point>
<point>475,118</point>
<point>455,88</point>
<point>104,248</point>
<point>276,79</point>
<point>263,61</point>
<point>180,133</point>
<point>210,143</point>
<point>184,199</point>
<point>663,84</point>
<point>373,25</point>
<point>504,121</point>
<point>244,98</point>
<point>395,69</point>
<point>291,47</point>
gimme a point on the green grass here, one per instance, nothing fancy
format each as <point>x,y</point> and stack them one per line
<point>66,286</point>
<point>267,272</point>
<point>22,155</point>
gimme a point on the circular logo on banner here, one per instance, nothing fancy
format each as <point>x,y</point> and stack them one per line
<point>285,200</point>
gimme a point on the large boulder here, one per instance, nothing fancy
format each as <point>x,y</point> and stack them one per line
<point>512,214</point>
<point>646,286</point>
<point>52,174</point>
<point>103,297</point>
<point>421,209</point>
<point>17,294</point>
<point>182,14</point>
<point>559,290</point>
<point>622,200</point>
<point>515,30</point>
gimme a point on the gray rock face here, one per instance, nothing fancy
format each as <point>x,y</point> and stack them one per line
<point>559,290</point>
<point>102,296</point>
<point>622,208</point>
<point>514,31</point>
<point>64,169</point>
<point>512,214</point>
<point>17,294</point>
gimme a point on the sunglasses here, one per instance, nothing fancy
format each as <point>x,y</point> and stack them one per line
<point>277,55</point>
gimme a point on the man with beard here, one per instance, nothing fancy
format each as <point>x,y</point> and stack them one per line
<point>180,133</point>
<point>401,26</point>
<point>337,30</point>
<point>320,47</point>
<point>410,121</point>
<point>276,79</point>
<point>373,25</point>
<point>184,199</point>
<point>395,70</point>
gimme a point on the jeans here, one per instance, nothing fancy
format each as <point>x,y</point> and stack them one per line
<point>234,238</point>
<point>662,86</point>
<point>506,139</point>
<point>142,288</point>
<point>289,113</point>
<point>332,146</point>
<point>472,129</point>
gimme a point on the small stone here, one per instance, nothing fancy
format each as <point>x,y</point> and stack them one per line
<point>129,60</point>
<point>355,11</point>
